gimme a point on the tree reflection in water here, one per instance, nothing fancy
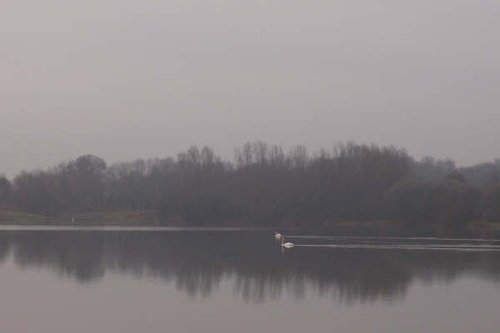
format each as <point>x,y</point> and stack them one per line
<point>197,262</point>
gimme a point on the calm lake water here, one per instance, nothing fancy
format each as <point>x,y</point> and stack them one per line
<point>60,280</point>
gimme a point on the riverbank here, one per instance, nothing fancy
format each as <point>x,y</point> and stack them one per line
<point>107,218</point>
<point>151,218</point>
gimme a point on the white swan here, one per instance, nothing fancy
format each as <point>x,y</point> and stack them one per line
<point>286,245</point>
<point>277,235</point>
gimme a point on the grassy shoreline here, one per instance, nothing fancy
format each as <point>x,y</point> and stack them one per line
<point>151,218</point>
<point>111,218</point>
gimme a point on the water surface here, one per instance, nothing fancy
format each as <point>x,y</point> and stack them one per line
<point>173,280</point>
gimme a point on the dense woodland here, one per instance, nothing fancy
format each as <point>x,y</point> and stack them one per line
<point>267,186</point>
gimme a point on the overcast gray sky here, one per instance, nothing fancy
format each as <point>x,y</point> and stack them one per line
<point>125,79</point>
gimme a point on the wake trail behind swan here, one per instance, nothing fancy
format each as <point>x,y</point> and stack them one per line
<point>419,247</point>
<point>394,238</point>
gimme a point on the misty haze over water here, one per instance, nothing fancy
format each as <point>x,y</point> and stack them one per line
<point>365,131</point>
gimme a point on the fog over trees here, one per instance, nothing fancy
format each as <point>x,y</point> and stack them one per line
<point>267,186</point>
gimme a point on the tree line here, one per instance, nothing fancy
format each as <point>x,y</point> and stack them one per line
<point>267,186</point>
